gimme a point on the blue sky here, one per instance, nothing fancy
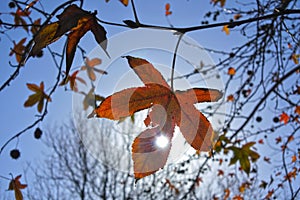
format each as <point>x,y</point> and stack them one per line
<point>15,117</point>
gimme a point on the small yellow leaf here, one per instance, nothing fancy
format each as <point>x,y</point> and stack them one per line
<point>226,29</point>
<point>294,158</point>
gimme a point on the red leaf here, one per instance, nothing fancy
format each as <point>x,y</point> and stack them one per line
<point>147,156</point>
<point>168,109</point>
<point>16,185</point>
<point>284,118</point>
<point>167,9</point>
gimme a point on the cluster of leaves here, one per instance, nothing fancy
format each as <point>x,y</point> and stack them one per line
<point>176,109</point>
<point>73,20</point>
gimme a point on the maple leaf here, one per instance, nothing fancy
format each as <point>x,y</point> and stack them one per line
<point>18,49</point>
<point>89,67</point>
<point>91,98</point>
<point>18,18</point>
<point>75,21</point>
<point>16,185</point>
<point>167,9</point>
<point>168,109</point>
<point>284,118</point>
<point>242,155</point>
<point>72,81</point>
<point>38,97</point>
<point>34,29</point>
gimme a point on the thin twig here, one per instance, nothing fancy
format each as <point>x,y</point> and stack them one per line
<point>272,89</point>
<point>174,61</point>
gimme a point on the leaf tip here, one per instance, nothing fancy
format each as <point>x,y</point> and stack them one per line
<point>92,114</point>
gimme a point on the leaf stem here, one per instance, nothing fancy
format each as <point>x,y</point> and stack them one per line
<point>135,13</point>
<point>174,61</point>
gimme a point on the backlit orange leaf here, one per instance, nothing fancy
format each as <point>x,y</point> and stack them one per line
<point>16,185</point>
<point>226,29</point>
<point>231,71</point>
<point>167,9</point>
<point>294,158</point>
<point>72,81</point>
<point>168,109</point>
<point>90,67</point>
<point>18,50</point>
<point>38,97</point>
<point>284,118</point>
